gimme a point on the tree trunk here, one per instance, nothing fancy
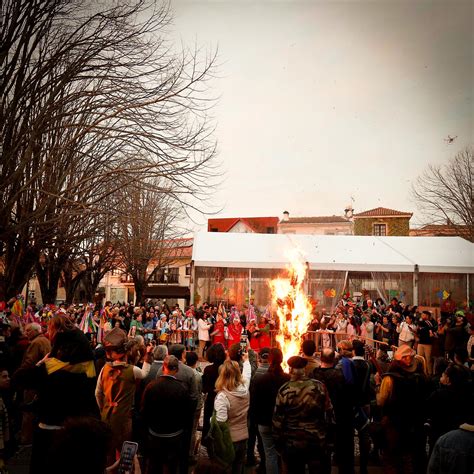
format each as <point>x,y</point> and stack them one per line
<point>89,288</point>
<point>48,274</point>
<point>70,285</point>
<point>96,277</point>
<point>19,260</point>
<point>140,287</point>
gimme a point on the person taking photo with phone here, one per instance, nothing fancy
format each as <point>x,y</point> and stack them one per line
<point>232,405</point>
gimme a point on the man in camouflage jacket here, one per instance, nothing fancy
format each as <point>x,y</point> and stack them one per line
<point>303,422</point>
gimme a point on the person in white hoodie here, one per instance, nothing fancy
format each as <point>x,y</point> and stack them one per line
<point>406,331</point>
<point>232,405</point>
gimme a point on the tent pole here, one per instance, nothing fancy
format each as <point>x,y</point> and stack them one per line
<point>306,279</point>
<point>467,292</point>
<point>191,283</point>
<point>250,284</point>
<point>345,281</point>
<point>415,285</point>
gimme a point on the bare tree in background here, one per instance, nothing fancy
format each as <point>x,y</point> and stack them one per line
<point>91,99</point>
<point>445,194</point>
<point>148,232</point>
<point>84,270</point>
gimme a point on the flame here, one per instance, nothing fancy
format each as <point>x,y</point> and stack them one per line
<point>293,307</point>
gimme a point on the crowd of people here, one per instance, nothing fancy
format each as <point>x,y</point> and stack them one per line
<point>78,381</point>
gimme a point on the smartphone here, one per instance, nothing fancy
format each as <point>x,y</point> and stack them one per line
<point>243,343</point>
<point>129,449</point>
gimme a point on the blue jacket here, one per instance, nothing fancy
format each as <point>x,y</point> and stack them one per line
<point>454,452</point>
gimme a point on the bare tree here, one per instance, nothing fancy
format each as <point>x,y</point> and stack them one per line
<point>446,193</point>
<point>99,254</point>
<point>91,97</point>
<point>81,275</point>
<point>148,233</point>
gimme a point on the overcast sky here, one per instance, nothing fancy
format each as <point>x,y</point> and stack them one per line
<point>321,101</point>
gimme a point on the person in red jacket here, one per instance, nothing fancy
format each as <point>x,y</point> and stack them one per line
<point>235,331</point>
<point>264,330</point>
<point>254,334</point>
<point>218,334</point>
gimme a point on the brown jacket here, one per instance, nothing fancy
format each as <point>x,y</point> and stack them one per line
<point>37,349</point>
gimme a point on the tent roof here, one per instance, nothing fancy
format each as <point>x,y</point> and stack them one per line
<point>335,252</point>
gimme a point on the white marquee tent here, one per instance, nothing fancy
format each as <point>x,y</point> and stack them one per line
<point>420,269</point>
<point>334,252</point>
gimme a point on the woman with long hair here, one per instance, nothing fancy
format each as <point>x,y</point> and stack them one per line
<point>232,405</point>
<point>58,324</point>
<point>203,334</point>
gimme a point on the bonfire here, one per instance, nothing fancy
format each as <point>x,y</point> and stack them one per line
<point>293,306</point>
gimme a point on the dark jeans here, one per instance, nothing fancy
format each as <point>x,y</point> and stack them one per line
<point>344,447</point>
<point>254,437</point>
<point>364,443</point>
<point>271,455</point>
<point>164,454</point>
<point>240,448</point>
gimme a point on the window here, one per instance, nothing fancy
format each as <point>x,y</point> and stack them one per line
<point>380,229</point>
<point>188,270</point>
<point>165,275</point>
<point>173,275</point>
<point>270,230</point>
<point>117,294</point>
<point>214,229</point>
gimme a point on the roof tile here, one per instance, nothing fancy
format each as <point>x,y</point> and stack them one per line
<point>257,224</point>
<point>383,212</point>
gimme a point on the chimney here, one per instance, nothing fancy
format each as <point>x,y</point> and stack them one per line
<point>348,211</point>
<point>286,216</point>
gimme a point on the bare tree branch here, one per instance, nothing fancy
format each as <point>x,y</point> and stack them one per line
<point>445,194</point>
<point>92,99</point>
